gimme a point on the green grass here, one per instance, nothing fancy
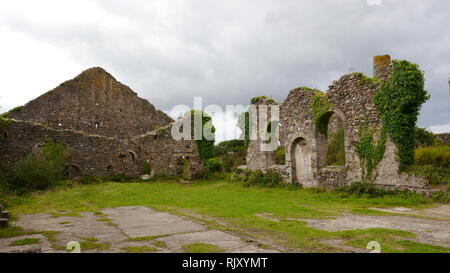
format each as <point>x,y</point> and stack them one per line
<point>160,244</point>
<point>91,239</point>
<point>138,249</point>
<point>26,241</point>
<point>202,248</point>
<point>104,220</point>
<point>89,245</point>
<point>399,246</point>
<point>232,204</point>
<point>145,238</point>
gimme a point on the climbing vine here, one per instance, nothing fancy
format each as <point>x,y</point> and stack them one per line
<point>244,124</point>
<point>398,102</point>
<point>205,146</point>
<point>369,153</point>
<point>4,123</point>
<point>321,111</point>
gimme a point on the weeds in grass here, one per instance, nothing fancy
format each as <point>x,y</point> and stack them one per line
<point>26,241</point>
<point>138,249</point>
<point>202,248</point>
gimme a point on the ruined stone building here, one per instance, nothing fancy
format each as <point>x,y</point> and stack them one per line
<point>306,145</point>
<point>106,127</point>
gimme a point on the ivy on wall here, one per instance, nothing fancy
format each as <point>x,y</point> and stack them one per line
<point>398,102</point>
<point>205,147</point>
<point>321,111</point>
<point>244,124</point>
<point>4,123</point>
<point>369,153</point>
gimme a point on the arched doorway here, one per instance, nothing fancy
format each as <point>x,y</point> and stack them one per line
<point>301,155</point>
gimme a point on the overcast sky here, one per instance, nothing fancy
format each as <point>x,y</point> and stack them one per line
<point>227,52</point>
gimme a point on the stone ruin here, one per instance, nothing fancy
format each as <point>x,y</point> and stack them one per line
<point>107,128</point>
<point>306,147</point>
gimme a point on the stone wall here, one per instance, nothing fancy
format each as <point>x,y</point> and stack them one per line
<point>306,147</point>
<point>259,158</point>
<point>105,125</point>
<point>101,155</point>
<point>96,103</point>
<point>89,154</point>
<point>165,155</point>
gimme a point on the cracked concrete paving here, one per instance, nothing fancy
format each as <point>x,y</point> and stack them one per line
<point>431,226</point>
<point>114,229</point>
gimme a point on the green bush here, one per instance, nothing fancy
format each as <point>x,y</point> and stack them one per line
<point>336,149</point>
<point>270,179</point>
<point>437,156</point>
<point>425,138</point>
<point>434,175</point>
<point>146,168</point>
<point>205,147</point>
<point>213,164</point>
<point>230,147</point>
<point>38,171</point>
<point>280,156</point>
<point>370,190</point>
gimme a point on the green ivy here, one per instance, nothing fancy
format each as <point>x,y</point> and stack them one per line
<point>146,168</point>
<point>321,111</point>
<point>205,147</point>
<point>363,79</point>
<point>369,153</point>
<point>255,100</point>
<point>336,149</point>
<point>398,102</point>
<point>244,125</point>
<point>4,123</point>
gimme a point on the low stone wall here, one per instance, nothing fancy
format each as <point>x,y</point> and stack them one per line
<point>332,177</point>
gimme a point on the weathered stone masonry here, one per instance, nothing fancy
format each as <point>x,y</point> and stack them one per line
<point>105,126</point>
<point>306,147</point>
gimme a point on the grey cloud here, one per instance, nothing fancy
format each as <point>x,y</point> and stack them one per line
<point>230,51</point>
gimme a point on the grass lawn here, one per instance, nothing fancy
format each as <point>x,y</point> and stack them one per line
<point>236,208</point>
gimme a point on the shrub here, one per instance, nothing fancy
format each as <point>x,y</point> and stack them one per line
<point>231,161</point>
<point>38,171</point>
<point>336,149</point>
<point>230,147</point>
<point>270,179</point>
<point>370,190</point>
<point>434,175</point>
<point>280,156</point>
<point>256,100</point>
<point>437,156</point>
<point>425,138</point>
<point>146,168</point>
<point>214,164</point>
<point>205,147</point>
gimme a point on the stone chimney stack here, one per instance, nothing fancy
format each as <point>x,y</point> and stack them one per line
<point>381,67</point>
